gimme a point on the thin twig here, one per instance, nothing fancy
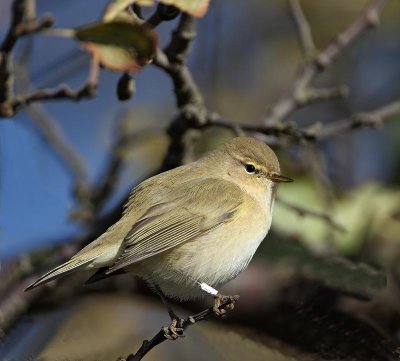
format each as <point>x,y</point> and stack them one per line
<point>87,90</point>
<point>316,132</point>
<point>303,29</point>
<point>21,25</point>
<point>54,136</point>
<point>313,95</point>
<point>147,345</point>
<point>373,119</point>
<point>62,148</point>
<point>369,17</point>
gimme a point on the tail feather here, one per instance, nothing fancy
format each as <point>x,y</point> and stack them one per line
<point>102,274</point>
<point>64,269</point>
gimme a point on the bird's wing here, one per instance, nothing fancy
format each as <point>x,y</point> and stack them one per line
<point>196,208</point>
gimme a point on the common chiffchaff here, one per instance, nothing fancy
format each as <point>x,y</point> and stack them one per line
<point>196,225</point>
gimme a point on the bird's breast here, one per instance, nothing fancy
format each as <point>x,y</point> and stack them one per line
<point>215,258</point>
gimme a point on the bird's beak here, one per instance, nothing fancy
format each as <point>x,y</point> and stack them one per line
<point>279,178</point>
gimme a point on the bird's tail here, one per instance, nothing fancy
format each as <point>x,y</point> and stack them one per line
<point>65,269</point>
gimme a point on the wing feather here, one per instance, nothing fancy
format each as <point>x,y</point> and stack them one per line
<point>195,209</point>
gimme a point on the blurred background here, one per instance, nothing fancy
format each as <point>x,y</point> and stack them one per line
<point>336,230</point>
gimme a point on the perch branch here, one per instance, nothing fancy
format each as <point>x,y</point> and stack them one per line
<point>147,345</point>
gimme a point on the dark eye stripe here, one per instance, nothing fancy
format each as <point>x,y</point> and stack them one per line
<point>250,168</point>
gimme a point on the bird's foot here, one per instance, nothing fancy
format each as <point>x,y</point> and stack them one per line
<point>224,303</point>
<point>174,330</point>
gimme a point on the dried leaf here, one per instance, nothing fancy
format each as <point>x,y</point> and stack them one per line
<point>193,7</point>
<point>119,45</point>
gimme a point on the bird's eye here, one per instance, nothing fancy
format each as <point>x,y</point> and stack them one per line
<point>250,168</point>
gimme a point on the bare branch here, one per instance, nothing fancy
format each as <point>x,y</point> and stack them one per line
<point>303,29</point>
<point>59,143</point>
<point>21,25</point>
<point>172,60</point>
<point>160,336</point>
<point>316,132</point>
<point>313,95</point>
<point>374,119</point>
<point>87,90</point>
<point>287,129</point>
<point>369,17</point>
<point>192,112</point>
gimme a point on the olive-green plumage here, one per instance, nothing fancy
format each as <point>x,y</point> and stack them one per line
<point>201,222</point>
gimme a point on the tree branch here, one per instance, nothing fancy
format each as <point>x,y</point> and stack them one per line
<point>303,29</point>
<point>20,26</point>
<point>87,90</point>
<point>148,345</point>
<point>192,111</point>
<point>369,17</point>
<point>373,119</point>
<point>316,132</point>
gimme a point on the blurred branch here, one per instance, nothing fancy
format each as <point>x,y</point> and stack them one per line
<point>303,29</point>
<point>185,323</point>
<point>373,119</point>
<point>302,212</point>
<point>62,148</point>
<point>24,22</point>
<point>368,18</point>
<point>287,129</point>
<point>13,300</point>
<point>316,132</point>
<point>53,135</point>
<point>87,90</point>
<point>21,25</point>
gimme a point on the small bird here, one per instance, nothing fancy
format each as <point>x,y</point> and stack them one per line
<point>191,229</point>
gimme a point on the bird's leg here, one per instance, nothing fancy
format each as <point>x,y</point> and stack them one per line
<point>174,330</point>
<point>221,303</point>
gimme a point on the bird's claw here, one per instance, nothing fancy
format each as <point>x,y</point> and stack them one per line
<point>174,330</point>
<point>224,303</point>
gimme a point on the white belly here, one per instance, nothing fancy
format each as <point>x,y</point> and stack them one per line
<point>210,259</point>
